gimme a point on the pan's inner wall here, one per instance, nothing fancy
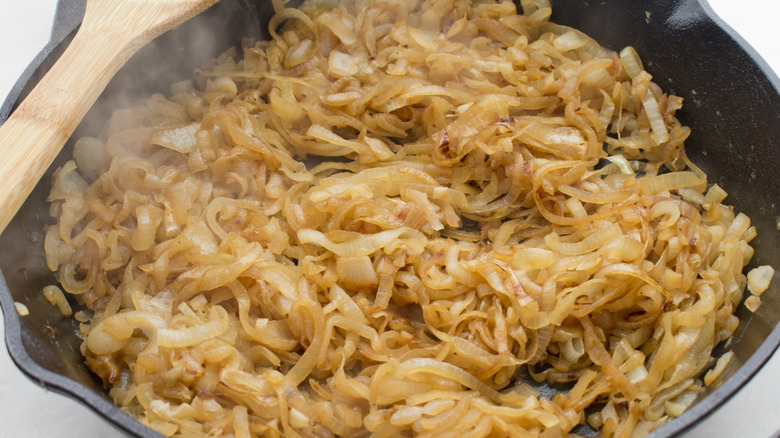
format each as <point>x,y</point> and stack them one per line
<point>730,106</point>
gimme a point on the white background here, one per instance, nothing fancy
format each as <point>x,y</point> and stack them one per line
<point>27,410</point>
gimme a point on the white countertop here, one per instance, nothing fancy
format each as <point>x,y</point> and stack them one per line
<point>27,410</point>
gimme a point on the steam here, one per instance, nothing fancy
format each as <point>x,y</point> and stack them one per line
<point>174,57</point>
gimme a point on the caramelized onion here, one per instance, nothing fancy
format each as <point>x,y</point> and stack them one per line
<point>389,218</point>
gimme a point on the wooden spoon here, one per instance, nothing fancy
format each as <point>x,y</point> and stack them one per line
<point>111,32</point>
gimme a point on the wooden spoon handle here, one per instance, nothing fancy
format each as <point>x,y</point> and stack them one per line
<point>112,31</point>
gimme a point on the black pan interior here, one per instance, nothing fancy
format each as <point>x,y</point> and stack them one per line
<point>731,105</point>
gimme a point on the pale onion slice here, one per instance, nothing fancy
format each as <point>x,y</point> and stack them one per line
<point>54,295</point>
<point>181,139</point>
<point>186,337</point>
<point>21,309</point>
<point>759,279</point>
<point>717,370</point>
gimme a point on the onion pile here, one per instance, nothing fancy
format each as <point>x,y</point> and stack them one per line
<point>392,218</point>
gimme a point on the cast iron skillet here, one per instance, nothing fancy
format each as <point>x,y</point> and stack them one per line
<point>731,104</point>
